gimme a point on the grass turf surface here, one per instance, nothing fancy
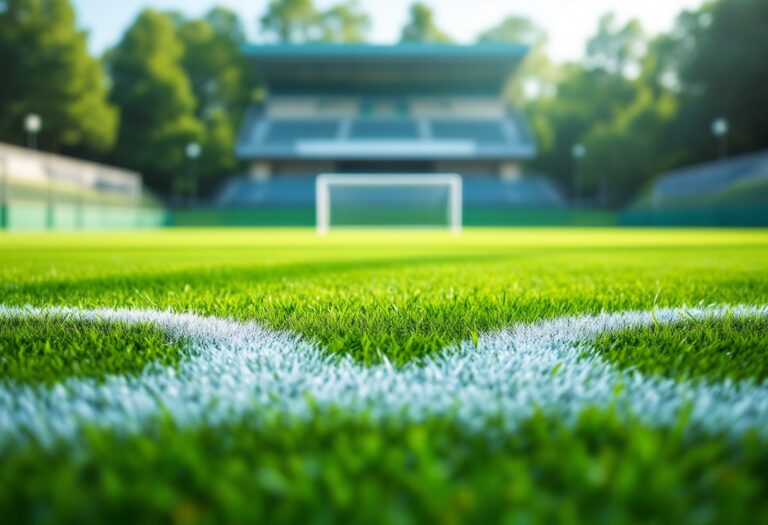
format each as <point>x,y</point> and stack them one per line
<point>713,349</point>
<point>403,295</point>
<point>51,348</point>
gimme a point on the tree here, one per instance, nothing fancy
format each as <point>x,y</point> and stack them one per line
<point>293,21</point>
<point>422,28</point>
<point>227,23</point>
<point>300,21</point>
<point>222,82</point>
<point>345,22</point>
<point>724,73</point>
<point>585,99</point>
<point>155,99</point>
<point>47,70</point>
<point>537,75</point>
<point>626,152</point>
<point>616,49</point>
<point>619,104</point>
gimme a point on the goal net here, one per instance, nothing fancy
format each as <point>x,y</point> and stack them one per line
<point>360,201</point>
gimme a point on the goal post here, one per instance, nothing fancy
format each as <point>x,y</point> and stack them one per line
<point>372,192</point>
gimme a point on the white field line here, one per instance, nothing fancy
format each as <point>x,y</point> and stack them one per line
<point>239,369</point>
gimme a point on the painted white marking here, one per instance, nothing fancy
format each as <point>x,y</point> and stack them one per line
<point>241,369</point>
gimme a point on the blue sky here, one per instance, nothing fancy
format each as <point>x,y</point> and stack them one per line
<point>568,22</point>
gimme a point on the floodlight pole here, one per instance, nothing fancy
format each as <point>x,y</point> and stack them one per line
<point>720,129</point>
<point>50,219</point>
<point>322,209</point>
<point>139,199</point>
<point>577,152</point>
<point>655,196</point>
<point>192,151</point>
<point>4,198</point>
<point>32,125</point>
<point>454,206</point>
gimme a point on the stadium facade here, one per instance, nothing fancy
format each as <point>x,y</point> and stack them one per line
<point>408,108</point>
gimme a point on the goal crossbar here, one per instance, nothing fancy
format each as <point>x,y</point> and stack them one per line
<point>325,181</point>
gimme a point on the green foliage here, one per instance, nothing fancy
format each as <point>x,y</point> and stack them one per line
<point>345,22</point>
<point>616,49</point>
<point>537,76</point>
<point>623,153</point>
<point>47,70</point>
<point>710,65</point>
<point>639,104</point>
<point>722,72</point>
<point>714,349</point>
<point>52,348</point>
<point>300,21</point>
<point>338,469</point>
<point>587,100</point>
<point>156,101</point>
<point>222,83</point>
<point>422,28</point>
<point>290,20</point>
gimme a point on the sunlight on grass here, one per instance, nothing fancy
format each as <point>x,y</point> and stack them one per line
<point>51,348</point>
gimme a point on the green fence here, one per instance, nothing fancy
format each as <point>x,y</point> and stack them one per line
<point>244,217</point>
<point>36,216</point>
<point>472,217</point>
<point>726,217</point>
<point>539,217</point>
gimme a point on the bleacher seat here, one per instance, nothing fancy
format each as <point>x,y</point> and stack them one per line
<point>289,131</point>
<point>384,129</point>
<point>711,177</point>
<point>480,131</point>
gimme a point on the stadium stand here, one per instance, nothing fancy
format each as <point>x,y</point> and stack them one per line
<point>479,131</point>
<point>384,129</point>
<point>287,132</point>
<point>407,108</point>
<point>730,192</point>
<point>712,178</point>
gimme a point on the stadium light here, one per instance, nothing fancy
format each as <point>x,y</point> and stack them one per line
<point>4,197</point>
<point>192,151</point>
<point>578,151</point>
<point>720,129</point>
<point>32,125</point>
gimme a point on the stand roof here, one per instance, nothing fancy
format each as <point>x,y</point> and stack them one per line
<point>391,70</point>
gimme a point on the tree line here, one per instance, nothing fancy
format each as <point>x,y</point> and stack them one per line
<point>635,105</point>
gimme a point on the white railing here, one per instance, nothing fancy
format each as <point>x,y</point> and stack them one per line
<point>25,167</point>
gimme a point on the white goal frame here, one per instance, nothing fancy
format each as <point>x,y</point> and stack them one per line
<point>324,182</point>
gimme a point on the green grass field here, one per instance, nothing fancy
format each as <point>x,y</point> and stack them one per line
<point>387,299</point>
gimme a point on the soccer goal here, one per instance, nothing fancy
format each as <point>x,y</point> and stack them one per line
<point>377,200</point>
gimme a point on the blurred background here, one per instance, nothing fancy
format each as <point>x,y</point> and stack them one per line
<point>197,113</point>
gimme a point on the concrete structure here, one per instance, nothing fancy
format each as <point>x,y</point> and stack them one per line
<point>408,108</point>
<point>45,191</point>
